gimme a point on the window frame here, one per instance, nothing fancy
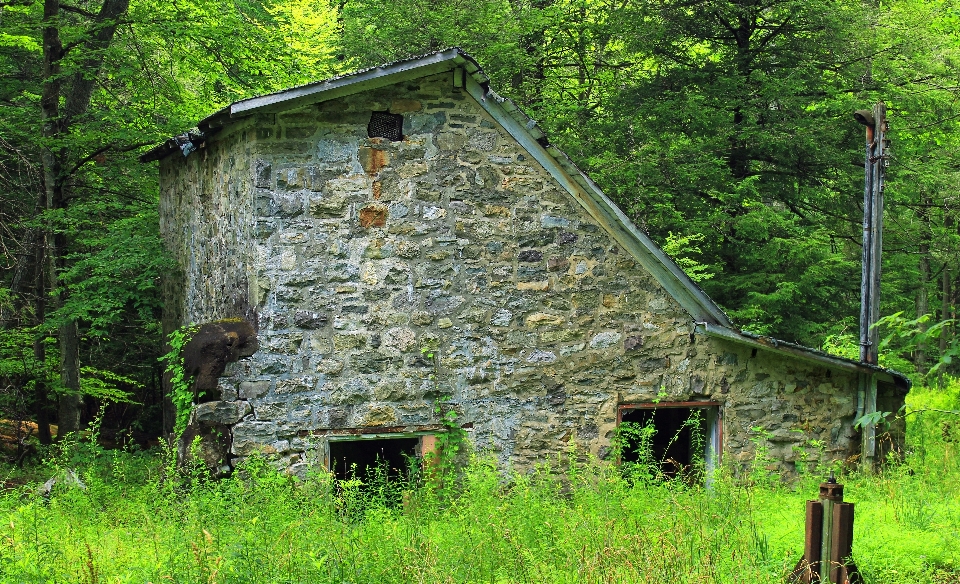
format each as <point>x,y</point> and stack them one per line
<point>713,433</point>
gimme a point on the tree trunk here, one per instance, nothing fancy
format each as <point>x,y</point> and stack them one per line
<point>41,392</point>
<point>70,400</point>
<point>947,305</point>
<point>923,299</point>
<point>76,93</point>
<point>923,306</point>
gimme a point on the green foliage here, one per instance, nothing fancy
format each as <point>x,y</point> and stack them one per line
<point>116,270</point>
<point>636,440</point>
<point>80,240</point>
<point>563,523</point>
<point>684,249</point>
<point>933,425</point>
<point>842,344</point>
<point>182,393</point>
<point>443,464</point>
<point>725,128</point>
<point>25,373</point>
<point>903,336</point>
<point>106,385</point>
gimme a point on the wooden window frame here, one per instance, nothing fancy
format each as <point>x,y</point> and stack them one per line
<point>713,433</point>
<point>427,441</point>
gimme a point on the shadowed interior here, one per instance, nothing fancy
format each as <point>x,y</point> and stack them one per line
<point>358,458</point>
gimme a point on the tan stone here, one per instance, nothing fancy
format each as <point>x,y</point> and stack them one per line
<point>400,338</point>
<point>379,416</point>
<point>369,274</point>
<point>542,319</point>
<point>288,259</point>
<point>541,286</point>
<point>402,106</point>
<point>348,341</point>
<point>496,211</point>
<point>330,366</point>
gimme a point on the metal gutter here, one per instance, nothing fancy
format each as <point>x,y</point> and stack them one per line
<point>804,353</point>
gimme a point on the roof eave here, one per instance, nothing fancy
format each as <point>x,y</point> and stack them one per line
<point>804,353</point>
<point>326,90</point>
<point>350,84</point>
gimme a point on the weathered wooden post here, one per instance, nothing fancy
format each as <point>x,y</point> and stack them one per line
<point>876,159</point>
<point>828,541</point>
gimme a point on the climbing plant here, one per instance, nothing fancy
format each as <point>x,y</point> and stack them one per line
<point>442,462</point>
<point>181,392</point>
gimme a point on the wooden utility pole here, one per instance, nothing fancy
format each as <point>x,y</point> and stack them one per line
<point>875,163</point>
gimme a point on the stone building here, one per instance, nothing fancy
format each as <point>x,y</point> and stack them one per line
<point>407,243</point>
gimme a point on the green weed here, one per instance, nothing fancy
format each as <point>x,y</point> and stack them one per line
<point>572,520</point>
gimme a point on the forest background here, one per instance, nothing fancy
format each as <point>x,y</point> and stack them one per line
<point>723,128</point>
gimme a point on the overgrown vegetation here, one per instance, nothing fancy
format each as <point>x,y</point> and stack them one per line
<point>181,393</point>
<point>128,520</point>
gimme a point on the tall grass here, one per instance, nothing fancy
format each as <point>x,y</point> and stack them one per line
<point>565,522</point>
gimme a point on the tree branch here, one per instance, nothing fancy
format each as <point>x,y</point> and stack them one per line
<point>77,10</point>
<point>100,151</point>
<point>83,81</point>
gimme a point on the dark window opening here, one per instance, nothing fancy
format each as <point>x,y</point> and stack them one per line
<point>390,458</point>
<point>385,125</point>
<point>671,440</point>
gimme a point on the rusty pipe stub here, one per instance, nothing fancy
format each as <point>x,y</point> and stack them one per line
<point>831,491</point>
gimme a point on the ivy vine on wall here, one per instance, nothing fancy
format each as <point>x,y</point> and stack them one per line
<point>181,385</point>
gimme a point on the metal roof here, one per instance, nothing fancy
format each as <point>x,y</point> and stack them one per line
<point>710,318</point>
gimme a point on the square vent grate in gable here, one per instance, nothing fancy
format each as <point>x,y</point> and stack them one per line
<point>385,125</point>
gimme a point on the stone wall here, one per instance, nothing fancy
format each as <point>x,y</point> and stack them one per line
<point>385,275</point>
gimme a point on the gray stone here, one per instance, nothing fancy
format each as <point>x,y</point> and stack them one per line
<point>530,255</point>
<point>252,436</point>
<point>254,389</point>
<point>538,356</point>
<point>336,151</point>
<point>263,173</point>
<point>307,319</point>
<point>605,340</point>
<point>549,221</point>
<point>221,412</point>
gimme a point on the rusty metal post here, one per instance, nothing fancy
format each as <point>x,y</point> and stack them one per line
<point>842,569</point>
<point>831,492</point>
<point>828,541</point>
<point>813,532</point>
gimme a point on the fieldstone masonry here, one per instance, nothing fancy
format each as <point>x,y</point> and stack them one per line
<point>383,276</point>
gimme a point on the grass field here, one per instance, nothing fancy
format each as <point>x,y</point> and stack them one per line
<point>569,522</point>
